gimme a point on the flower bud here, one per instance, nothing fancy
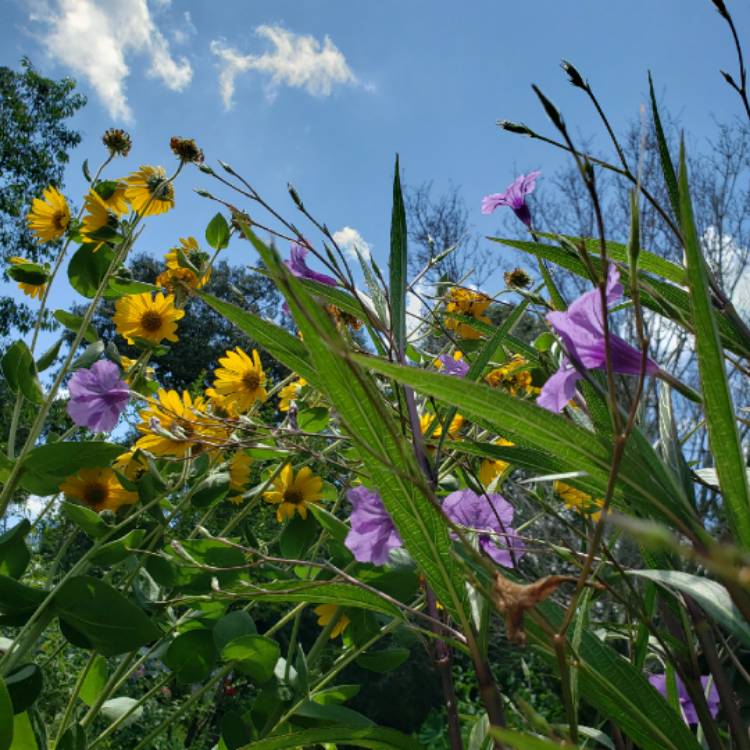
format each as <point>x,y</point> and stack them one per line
<point>117,142</point>
<point>575,77</point>
<point>515,127</point>
<point>186,150</point>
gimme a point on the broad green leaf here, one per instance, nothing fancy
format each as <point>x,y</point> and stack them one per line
<point>111,623</point>
<point>333,714</point>
<point>86,519</point>
<point>256,656</point>
<point>6,717</point>
<point>119,549</point>
<point>298,534</point>
<point>313,419</point>
<point>191,656</point>
<point>88,267</point>
<point>95,680</point>
<point>337,694</point>
<point>520,741</point>
<point>28,273</point>
<point>119,287</point>
<point>721,422</point>
<point>231,626</point>
<point>217,232</point>
<point>711,596</point>
<point>74,322</point>
<point>374,738</point>
<point>24,685</point>
<point>48,358</point>
<point>17,598</point>
<point>14,554</point>
<point>211,489</point>
<point>385,660</point>
<point>397,264</point>
<point>20,372</point>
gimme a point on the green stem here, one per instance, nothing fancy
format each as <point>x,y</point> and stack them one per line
<point>72,701</point>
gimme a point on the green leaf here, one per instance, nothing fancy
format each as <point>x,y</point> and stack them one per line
<point>711,596</point>
<point>191,656</point>
<point>234,730</point>
<point>86,519</point>
<point>397,264</point>
<point>334,526</point>
<point>23,733</point>
<point>298,534</point>
<point>47,466</point>
<point>88,267</point>
<point>211,489</point>
<point>115,551</point>
<point>525,741</point>
<point>90,354</point>
<point>667,168</point>
<point>20,372</point>
<point>119,287</point>
<point>374,738</point>
<point>217,232</point>
<point>337,694</point>
<point>17,598</point>
<point>332,714</point>
<point>385,660</point>
<point>231,626</point>
<point>48,358</point>
<point>95,680</point>
<point>721,422</point>
<point>74,322</point>
<point>14,554</point>
<point>73,739</point>
<point>111,623</point>
<point>28,273</point>
<point>6,717</point>
<point>24,685</point>
<point>256,656</point>
<point>313,419</point>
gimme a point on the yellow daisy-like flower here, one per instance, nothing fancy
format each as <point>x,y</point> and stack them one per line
<point>290,393</point>
<point>127,369</point>
<point>239,383</point>
<point>470,304</point>
<point>191,250</point>
<point>99,489</point>
<point>239,476</point>
<point>293,493</point>
<point>492,468</point>
<point>144,316</point>
<point>97,215</point>
<point>513,376</point>
<point>175,425</point>
<point>49,218</point>
<point>149,192</point>
<point>578,500</point>
<point>325,613</point>
<point>132,464</point>
<point>426,421</point>
<point>35,291</point>
<point>116,202</point>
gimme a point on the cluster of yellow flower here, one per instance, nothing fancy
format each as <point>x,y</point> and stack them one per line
<point>469,304</point>
<point>578,500</point>
<point>514,376</point>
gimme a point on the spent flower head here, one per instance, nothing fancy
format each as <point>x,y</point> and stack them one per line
<point>117,141</point>
<point>186,150</point>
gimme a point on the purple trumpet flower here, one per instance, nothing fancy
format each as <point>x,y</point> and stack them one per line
<point>514,197</point>
<point>372,535</point>
<point>452,366</point>
<point>659,681</point>
<point>581,328</point>
<point>490,513</point>
<point>297,265</point>
<point>97,396</point>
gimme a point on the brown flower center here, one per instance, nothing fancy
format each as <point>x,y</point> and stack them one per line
<point>151,321</point>
<point>293,496</point>
<point>95,494</point>
<point>60,220</point>
<point>251,380</point>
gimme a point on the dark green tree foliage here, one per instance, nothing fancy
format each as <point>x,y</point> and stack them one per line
<point>35,142</point>
<point>204,335</point>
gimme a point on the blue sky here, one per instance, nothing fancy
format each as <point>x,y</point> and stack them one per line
<point>325,93</point>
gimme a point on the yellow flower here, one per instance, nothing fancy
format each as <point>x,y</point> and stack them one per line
<point>116,202</point>
<point>149,192</point>
<point>514,376</point>
<point>467,303</point>
<point>132,464</point>
<point>146,317</point>
<point>326,613</point>
<point>128,364</point>
<point>99,489</point>
<point>290,393</point>
<point>293,494</point>
<point>239,475</point>
<point>97,216</point>
<point>490,469</point>
<point>35,291</point>
<point>426,421</point>
<point>578,500</point>
<point>239,383</point>
<point>176,425</point>
<point>192,251</point>
<point>49,218</point>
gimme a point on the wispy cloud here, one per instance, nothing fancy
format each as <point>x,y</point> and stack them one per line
<point>350,240</point>
<point>95,39</point>
<point>296,60</point>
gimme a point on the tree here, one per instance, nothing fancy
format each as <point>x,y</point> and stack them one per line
<point>35,142</point>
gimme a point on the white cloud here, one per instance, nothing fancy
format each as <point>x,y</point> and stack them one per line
<point>297,60</point>
<point>182,35</point>
<point>95,39</point>
<point>415,309</point>
<point>350,240</point>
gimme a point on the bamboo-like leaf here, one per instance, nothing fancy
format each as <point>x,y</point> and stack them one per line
<point>520,741</point>
<point>375,738</point>
<point>667,167</point>
<point>721,422</point>
<point>397,264</point>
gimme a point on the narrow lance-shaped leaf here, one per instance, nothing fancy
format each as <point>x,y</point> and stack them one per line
<point>397,264</point>
<point>723,436</point>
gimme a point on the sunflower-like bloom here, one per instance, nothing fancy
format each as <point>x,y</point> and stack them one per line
<point>149,191</point>
<point>129,373</point>
<point>578,500</point>
<point>426,422</point>
<point>192,251</point>
<point>513,376</point>
<point>239,475</point>
<point>148,317</point>
<point>469,304</point>
<point>492,468</point>
<point>97,215</point>
<point>239,383</point>
<point>290,393</point>
<point>326,613</point>
<point>294,493</point>
<point>49,218</point>
<point>99,489</point>
<point>132,464</point>
<point>175,425</point>
<point>35,291</point>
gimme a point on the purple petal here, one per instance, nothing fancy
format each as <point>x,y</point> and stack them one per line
<point>298,266</point>
<point>97,396</point>
<point>372,535</point>
<point>560,388</point>
<point>451,366</point>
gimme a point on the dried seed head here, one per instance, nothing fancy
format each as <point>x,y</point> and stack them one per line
<point>117,141</point>
<point>186,150</point>
<point>517,279</point>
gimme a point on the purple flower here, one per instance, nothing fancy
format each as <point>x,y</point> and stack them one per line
<point>514,197</point>
<point>659,681</point>
<point>97,396</point>
<point>581,328</point>
<point>492,513</point>
<point>452,366</point>
<point>297,265</point>
<point>372,535</point>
